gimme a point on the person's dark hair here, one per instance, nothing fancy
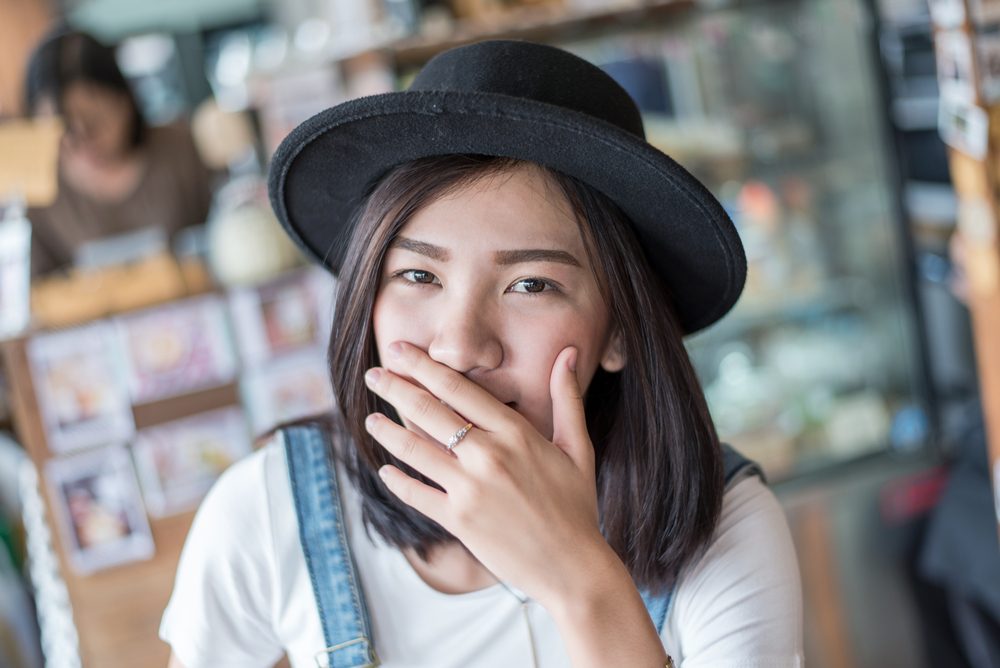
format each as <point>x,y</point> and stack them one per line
<point>64,57</point>
<point>659,465</point>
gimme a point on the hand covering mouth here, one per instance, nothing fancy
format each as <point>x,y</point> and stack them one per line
<point>510,404</point>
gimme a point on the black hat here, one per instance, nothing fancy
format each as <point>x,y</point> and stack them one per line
<point>519,100</point>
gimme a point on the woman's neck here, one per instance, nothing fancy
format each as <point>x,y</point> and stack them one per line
<point>451,569</point>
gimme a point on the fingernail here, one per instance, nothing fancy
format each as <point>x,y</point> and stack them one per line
<point>383,472</point>
<point>370,421</point>
<point>395,349</point>
<point>571,362</point>
<point>372,376</point>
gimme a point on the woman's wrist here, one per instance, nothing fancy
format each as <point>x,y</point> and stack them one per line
<point>595,575</point>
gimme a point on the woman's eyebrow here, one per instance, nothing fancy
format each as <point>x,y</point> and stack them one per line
<point>535,255</point>
<point>430,250</point>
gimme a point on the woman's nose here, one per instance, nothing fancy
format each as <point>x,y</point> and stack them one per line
<point>466,340</point>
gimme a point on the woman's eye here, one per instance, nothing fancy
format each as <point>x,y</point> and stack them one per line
<point>530,285</point>
<point>417,276</point>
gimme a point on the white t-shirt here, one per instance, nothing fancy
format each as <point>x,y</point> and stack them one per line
<point>242,594</point>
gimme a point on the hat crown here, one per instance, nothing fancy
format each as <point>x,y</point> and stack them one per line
<point>523,101</point>
<point>535,72</point>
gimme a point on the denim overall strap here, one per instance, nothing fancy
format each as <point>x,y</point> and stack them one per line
<point>735,467</point>
<point>339,598</point>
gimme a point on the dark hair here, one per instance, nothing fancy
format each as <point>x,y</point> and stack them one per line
<point>659,467</point>
<point>64,57</point>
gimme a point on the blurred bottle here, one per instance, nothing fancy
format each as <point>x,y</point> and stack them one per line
<point>15,268</point>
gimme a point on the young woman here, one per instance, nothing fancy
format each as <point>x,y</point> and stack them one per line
<point>522,470</point>
<point>116,174</point>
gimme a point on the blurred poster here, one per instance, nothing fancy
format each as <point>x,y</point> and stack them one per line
<point>81,396</point>
<point>954,65</point>
<point>177,348</point>
<point>178,461</point>
<point>291,313</point>
<point>963,126</point>
<point>288,388</point>
<point>97,505</point>
<point>947,13</point>
<point>988,48</point>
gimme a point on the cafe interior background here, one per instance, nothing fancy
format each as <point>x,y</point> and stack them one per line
<point>833,131</point>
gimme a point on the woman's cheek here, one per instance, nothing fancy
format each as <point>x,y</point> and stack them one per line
<point>397,319</point>
<point>540,354</point>
<point>535,395</point>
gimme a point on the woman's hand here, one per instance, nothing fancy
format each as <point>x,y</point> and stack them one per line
<point>526,507</point>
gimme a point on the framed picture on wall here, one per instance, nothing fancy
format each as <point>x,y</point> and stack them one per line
<point>288,314</point>
<point>956,80</point>
<point>988,50</point>
<point>288,388</point>
<point>177,348</point>
<point>96,501</point>
<point>82,396</point>
<point>947,13</point>
<point>963,126</point>
<point>178,461</point>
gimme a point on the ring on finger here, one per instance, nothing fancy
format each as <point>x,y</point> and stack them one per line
<point>457,437</point>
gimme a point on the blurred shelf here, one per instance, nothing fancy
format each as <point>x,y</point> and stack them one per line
<point>535,23</point>
<point>545,23</point>
<point>834,297</point>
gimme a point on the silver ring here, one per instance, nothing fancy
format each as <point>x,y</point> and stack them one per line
<point>457,437</point>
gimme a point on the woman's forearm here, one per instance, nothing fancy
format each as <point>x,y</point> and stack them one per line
<point>603,621</point>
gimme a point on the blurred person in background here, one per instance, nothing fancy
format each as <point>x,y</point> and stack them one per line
<point>116,173</point>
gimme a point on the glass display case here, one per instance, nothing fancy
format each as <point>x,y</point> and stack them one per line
<point>778,108</point>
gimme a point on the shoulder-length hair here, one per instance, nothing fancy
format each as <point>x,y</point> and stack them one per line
<point>64,57</point>
<point>659,466</point>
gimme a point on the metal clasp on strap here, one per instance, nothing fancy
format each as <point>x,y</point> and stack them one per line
<point>369,651</point>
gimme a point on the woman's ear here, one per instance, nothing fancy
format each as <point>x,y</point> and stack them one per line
<point>613,358</point>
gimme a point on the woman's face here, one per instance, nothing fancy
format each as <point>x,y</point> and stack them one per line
<point>494,281</point>
<point>98,122</point>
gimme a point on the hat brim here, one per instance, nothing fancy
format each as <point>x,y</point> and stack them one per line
<point>326,167</point>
